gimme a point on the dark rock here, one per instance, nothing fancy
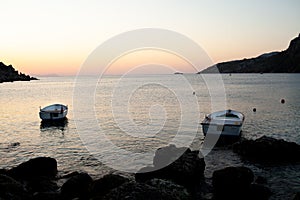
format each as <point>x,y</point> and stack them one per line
<point>297,196</point>
<point>36,167</point>
<point>287,61</point>
<point>232,182</point>
<point>226,141</point>
<point>42,184</point>
<point>168,187</point>
<point>47,196</point>
<point>182,166</point>
<point>12,189</point>
<point>69,175</point>
<point>4,171</point>
<point>147,173</point>
<point>77,186</point>
<point>259,192</point>
<point>261,180</point>
<point>108,182</point>
<point>167,155</point>
<point>9,74</point>
<point>267,149</point>
<point>141,191</point>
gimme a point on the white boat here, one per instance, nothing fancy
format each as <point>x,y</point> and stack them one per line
<point>54,112</point>
<point>225,123</point>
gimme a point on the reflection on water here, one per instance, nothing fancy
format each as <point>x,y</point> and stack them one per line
<point>47,125</point>
<point>24,136</point>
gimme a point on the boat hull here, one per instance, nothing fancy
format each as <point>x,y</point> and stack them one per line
<point>54,112</point>
<point>223,130</point>
<point>53,116</point>
<point>224,123</point>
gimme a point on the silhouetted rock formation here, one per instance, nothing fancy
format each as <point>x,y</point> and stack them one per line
<point>287,61</point>
<point>12,189</point>
<point>35,176</point>
<point>297,196</point>
<point>236,183</point>
<point>142,191</point>
<point>35,168</point>
<point>77,186</point>
<point>180,165</point>
<point>105,184</point>
<point>37,179</point>
<point>267,149</point>
<point>9,74</point>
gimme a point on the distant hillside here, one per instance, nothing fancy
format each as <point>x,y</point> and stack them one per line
<point>9,74</point>
<point>287,61</point>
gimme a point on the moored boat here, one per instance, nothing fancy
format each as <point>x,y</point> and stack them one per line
<point>225,123</point>
<point>54,112</point>
<point>178,73</point>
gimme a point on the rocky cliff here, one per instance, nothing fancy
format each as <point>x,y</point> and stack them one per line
<point>287,61</point>
<point>9,74</point>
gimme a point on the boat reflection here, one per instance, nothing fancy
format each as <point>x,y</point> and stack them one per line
<point>54,124</point>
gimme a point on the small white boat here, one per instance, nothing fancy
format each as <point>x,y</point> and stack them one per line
<point>225,123</point>
<point>54,112</point>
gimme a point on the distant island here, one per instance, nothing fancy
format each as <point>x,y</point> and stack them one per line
<point>287,61</point>
<point>9,74</point>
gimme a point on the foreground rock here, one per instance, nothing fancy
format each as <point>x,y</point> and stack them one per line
<point>36,180</point>
<point>35,168</point>
<point>31,177</point>
<point>182,179</point>
<point>180,165</point>
<point>163,190</point>
<point>12,189</point>
<point>103,186</point>
<point>267,149</point>
<point>9,74</point>
<point>297,196</point>
<point>236,183</point>
<point>77,186</point>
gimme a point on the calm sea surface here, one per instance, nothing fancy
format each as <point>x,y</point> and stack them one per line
<point>139,114</point>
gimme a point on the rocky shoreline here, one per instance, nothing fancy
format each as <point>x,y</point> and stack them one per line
<point>9,74</point>
<point>176,173</point>
<point>286,61</point>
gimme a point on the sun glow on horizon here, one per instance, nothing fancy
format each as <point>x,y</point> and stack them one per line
<point>56,37</point>
<point>149,62</point>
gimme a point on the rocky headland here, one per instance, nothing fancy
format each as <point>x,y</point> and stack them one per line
<point>9,74</point>
<point>287,61</point>
<point>176,173</point>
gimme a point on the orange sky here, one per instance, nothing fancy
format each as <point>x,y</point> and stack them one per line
<point>150,61</point>
<point>56,37</point>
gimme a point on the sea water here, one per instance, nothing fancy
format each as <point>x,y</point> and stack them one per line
<point>139,113</point>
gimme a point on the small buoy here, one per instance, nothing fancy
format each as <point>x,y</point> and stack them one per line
<point>282,101</point>
<point>254,109</point>
<point>194,93</point>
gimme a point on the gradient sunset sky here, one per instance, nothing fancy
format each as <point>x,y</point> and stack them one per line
<point>56,37</point>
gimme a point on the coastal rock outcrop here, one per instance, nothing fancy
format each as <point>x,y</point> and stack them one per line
<point>78,186</point>
<point>287,61</point>
<point>183,180</point>
<point>267,149</point>
<point>9,74</point>
<point>29,179</point>
<point>11,189</point>
<point>297,196</point>
<point>34,168</point>
<point>181,165</point>
<point>138,191</point>
<point>108,182</point>
<point>236,183</point>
